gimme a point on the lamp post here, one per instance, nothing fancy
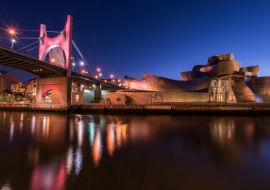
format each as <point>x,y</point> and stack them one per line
<point>12,33</point>
<point>13,41</point>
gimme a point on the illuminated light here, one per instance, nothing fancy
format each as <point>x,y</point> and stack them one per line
<point>46,124</point>
<point>110,139</point>
<point>118,80</point>
<point>85,90</point>
<point>11,131</point>
<point>33,124</point>
<point>82,63</point>
<point>21,121</point>
<point>96,77</point>
<point>69,160</point>
<point>77,97</point>
<point>80,133</point>
<point>91,132</point>
<point>113,80</point>
<point>84,71</point>
<point>120,84</point>
<point>73,64</point>
<point>118,132</point>
<point>97,148</point>
<point>124,132</point>
<point>111,76</point>
<point>12,31</point>
<point>52,60</point>
<point>100,74</point>
<point>78,161</point>
<point>13,40</point>
<point>21,117</point>
<point>98,69</point>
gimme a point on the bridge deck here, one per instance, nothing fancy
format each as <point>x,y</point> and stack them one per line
<point>42,69</point>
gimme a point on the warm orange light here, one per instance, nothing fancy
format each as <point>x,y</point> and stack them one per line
<point>98,69</point>
<point>52,60</point>
<point>97,148</point>
<point>118,134</point>
<point>11,31</point>
<point>110,139</point>
<point>96,76</point>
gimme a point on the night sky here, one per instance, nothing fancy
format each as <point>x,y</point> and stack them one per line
<point>158,37</point>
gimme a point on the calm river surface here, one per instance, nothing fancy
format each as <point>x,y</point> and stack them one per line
<point>57,151</point>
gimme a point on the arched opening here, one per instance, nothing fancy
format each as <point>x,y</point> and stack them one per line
<point>51,97</point>
<point>55,55</point>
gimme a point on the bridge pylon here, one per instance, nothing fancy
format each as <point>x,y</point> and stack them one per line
<point>62,41</point>
<point>58,50</point>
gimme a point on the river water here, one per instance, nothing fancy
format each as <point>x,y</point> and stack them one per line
<point>58,151</point>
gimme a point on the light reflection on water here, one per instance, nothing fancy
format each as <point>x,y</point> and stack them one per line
<point>55,151</point>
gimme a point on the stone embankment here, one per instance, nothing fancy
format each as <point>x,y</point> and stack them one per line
<point>172,108</point>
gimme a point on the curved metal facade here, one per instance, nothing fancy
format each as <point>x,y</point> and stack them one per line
<point>222,77</point>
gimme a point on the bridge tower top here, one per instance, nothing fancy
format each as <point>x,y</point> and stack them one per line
<point>62,41</point>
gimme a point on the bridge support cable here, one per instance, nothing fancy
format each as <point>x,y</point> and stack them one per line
<point>32,48</point>
<point>29,45</point>
<point>77,49</point>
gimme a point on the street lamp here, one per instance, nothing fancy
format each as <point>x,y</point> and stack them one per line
<point>82,63</point>
<point>13,41</point>
<point>98,69</point>
<point>52,60</point>
<point>12,31</point>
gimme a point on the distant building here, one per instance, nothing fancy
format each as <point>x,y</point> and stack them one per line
<point>18,88</point>
<point>6,80</point>
<point>220,80</point>
<point>31,88</point>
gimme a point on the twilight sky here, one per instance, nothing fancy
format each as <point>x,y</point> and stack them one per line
<point>151,36</point>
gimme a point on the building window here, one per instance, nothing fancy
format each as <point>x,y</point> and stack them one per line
<point>77,98</point>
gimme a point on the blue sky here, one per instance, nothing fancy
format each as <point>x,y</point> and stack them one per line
<point>157,37</point>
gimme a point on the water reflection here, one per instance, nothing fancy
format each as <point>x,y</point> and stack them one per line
<point>222,130</point>
<point>57,151</point>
